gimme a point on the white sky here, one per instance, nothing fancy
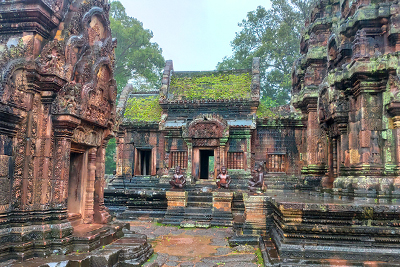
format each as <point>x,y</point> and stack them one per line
<point>195,34</point>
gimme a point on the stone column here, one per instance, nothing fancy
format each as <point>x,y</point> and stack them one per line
<point>91,177</point>
<point>189,177</point>
<point>222,147</point>
<point>248,152</point>
<point>119,152</point>
<point>5,179</point>
<point>312,137</point>
<point>396,132</point>
<point>316,148</point>
<point>101,214</point>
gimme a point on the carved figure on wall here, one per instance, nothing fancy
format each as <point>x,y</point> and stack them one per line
<point>375,154</point>
<point>320,153</point>
<point>223,178</point>
<point>257,180</point>
<point>178,181</point>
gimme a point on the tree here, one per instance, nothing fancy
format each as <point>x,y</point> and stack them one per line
<point>135,54</point>
<point>110,164</point>
<point>135,57</point>
<point>274,36</point>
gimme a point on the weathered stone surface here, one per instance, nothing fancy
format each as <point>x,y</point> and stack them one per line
<point>57,113</point>
<point>177,198</point>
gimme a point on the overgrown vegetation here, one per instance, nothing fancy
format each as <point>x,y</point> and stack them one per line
<point>264,108</point>
<point>214,86</point>
<point>260,260</point>
<point>110,164</point>
<point>145,109</point>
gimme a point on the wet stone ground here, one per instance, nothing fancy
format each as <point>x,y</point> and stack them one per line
<point>194,247</point>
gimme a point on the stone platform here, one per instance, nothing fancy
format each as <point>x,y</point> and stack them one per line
<point>323,227</point>
<point>131,249</point>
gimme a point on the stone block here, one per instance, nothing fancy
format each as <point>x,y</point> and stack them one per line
<point>177,198</point>
<point>222,208</point>
<point>222,201</point>
<point>256,213</point>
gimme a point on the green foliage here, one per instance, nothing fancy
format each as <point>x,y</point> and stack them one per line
<point>274,36</point>
<point>260,260</point>
<point>215,86</point>
<point>264,108</point>
<point>110,164</point>
<point>143,109</point>
<point>135,54</point>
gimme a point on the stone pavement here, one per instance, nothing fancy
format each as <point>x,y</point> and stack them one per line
<point>194,247</point>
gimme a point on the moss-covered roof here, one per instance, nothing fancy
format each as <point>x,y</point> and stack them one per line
<point>210,85</point>
<point>144,109</point>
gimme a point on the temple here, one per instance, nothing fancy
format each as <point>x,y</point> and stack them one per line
<point>323,170</point>
<point>202,121</point>
<point>331,157</point>
<point>57,113</point>
<point>339,131</point>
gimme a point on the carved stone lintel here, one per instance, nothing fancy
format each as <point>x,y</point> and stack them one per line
<point>64,125</point>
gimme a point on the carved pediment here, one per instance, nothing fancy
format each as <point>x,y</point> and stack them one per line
<point>208,126</point>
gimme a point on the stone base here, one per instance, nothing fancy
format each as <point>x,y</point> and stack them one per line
<point>256,213</point>
<point>131,250</point>
<point>365,186</point>
<point>43,243</point>
<point>320,227</point>
<point>177,201</point>
<point>177,198</point>
<point>222,208</point>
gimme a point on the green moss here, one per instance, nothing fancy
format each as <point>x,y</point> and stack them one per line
<point>214,86</point>
<point>264,110</point>
<point>260,260</point>
<point>317,52</point>
<point>143,109</point>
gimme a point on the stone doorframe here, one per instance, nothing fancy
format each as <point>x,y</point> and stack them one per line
<point>206,131</point>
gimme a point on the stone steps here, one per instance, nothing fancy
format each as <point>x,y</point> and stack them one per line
<point>130,251</point>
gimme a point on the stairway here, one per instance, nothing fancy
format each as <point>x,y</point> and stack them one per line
<point>198,212</point>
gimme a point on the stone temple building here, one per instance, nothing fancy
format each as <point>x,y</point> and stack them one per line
<point>202,121</point>
<point>57,113</point>
<point>330,158</point>
<point>335,149</point>
<point>339,131</point>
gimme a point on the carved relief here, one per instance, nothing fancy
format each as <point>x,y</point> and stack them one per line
<point>86,135</point>
<point>52,58</point>
<point>208,126</point>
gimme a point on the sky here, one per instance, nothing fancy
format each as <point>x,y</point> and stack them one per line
<point>195,34</point>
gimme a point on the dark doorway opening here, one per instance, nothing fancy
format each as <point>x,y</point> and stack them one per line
<point>145,157</point>
<point>206,163</point>
<point>76,185</point>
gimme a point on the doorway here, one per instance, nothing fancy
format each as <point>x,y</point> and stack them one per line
<point>206,163</point>
<point>76,185</point>
<point>144,162</point>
